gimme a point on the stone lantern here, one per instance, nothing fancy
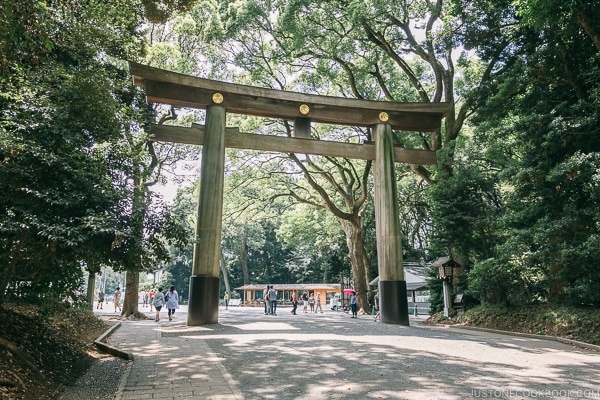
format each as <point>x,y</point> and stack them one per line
<point>446,267</point>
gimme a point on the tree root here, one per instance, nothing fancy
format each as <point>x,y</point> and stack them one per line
<point>23,357</point>
<point>7,383</point>
<point>16,382</point>
<point>133,315</point>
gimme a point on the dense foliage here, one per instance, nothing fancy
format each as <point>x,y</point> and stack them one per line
<point>514,197</point>
<point>575,323</point>
<point>61,102</point>
<point>70,145</point>
<point>534,159</point>
<point>44,348</point>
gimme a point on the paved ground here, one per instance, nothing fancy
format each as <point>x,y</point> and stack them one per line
<point>249,355</point>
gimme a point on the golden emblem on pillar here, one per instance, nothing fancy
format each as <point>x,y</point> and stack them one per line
<point>304,109</point>
<point>217,98</point>
<point>383,116</point>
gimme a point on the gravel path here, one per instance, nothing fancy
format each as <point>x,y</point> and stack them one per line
<point>100,382</point>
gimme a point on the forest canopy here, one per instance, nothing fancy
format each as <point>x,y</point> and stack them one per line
<point>514,197</point>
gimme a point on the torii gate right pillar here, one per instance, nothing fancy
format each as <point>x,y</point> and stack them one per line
<point>392,285</point>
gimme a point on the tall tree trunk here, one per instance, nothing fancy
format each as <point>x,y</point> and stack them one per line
<point>91,289</point>
<point>130,303</point>
<point>358,259</point>
<point>244,261</point>
<point>225,274</point>
<point>8,269</point>
<point>557,284</point>
<point>133,266</point>
<point>587,23</point>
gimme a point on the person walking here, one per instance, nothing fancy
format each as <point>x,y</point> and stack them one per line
<point>311,303</point>
<point>376,300</point>
<point>305,302</point>
<point>117,299</point>
<point>226,299</point>
<point>100,299</point>
<point>294,302</point>
<point>267,302</point>
<point>145,299</point>
<point>172,301</point>
<point>318,303</point>
<point>151,298</point>
<point>353,305</point>
<point>273,300</point>
<point>159,302</point>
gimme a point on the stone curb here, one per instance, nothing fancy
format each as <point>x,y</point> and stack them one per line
<point>123,382</point>
<point>110,349</point>
<point>531,335</point>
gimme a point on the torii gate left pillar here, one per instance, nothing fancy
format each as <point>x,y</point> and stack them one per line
<point>203,305</point>
<point>392,284</point>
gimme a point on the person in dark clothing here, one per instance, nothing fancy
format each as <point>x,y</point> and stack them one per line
<point>100,299</point>
<point>353,300</point>
<point>294,303</point>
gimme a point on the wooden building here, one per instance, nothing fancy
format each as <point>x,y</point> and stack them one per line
<point>418,295</point>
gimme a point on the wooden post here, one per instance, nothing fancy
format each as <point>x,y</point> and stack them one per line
<point>91,290</point>
<point>392,285</point>
<point>301,128</point>
<point>448,310</point>
<point>204,282</point>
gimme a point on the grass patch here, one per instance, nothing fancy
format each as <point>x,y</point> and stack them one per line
<point>561,321</point>
<point>43,348</point>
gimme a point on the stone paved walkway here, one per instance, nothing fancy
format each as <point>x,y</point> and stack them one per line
<point>249,355</point>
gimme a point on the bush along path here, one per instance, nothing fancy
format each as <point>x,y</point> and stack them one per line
<point>579,324</point>
<point>43,349</point>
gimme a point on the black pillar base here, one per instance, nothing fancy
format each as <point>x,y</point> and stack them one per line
<point>203,305</point>
<point>394,303</point>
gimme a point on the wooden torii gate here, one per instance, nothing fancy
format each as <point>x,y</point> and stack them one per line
<point>218,98</point>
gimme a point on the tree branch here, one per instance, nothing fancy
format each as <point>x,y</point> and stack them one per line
<point>381,82</point>
<point>322,193</point>
<point>379,40</point>
<point>351,78</point>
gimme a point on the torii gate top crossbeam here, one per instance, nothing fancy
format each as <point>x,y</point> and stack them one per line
<point>166,87</point>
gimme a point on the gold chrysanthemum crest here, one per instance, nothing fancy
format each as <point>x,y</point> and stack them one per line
<point>217,98</point>
<point>304,109</point>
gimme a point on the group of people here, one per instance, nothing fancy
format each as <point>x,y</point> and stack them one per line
<point>308,300</point>
<point>270,296</point>
<point>170,299</point>
<point>116,299</point>
<point>148,298</point>
<point>158,300</point>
